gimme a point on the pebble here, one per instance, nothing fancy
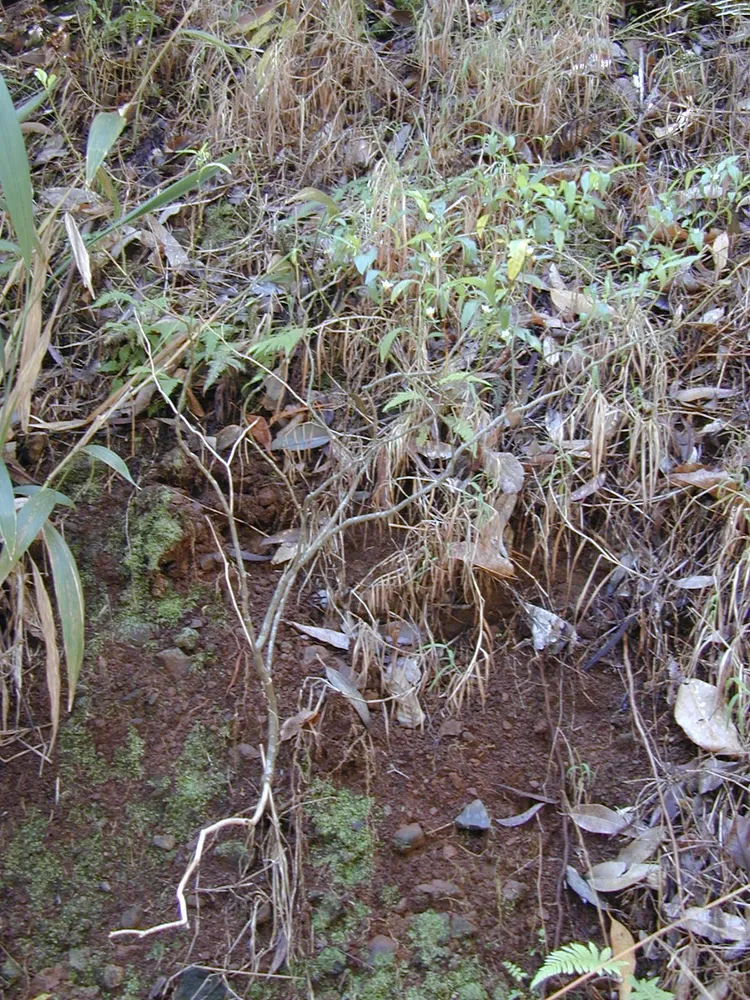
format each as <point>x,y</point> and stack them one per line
<point>248,752</point>
<point>187,640</point>
<point>131,916</point>
<point>407,838</point>
<point>140,633</point>
<point>164,841</point>
<point>310,655</point>
<point>175,662</point>
<point>507,725</point>
<point>112,976</point>
<point>199,984</point>
<point>449,851</point>
<point>11,971</point>
<point>474,817</point>
<point>438,890</point>
<point>461,927</point>
<point>540,727</point>
<point>451,727</point>
<point>380,946</point>
<point>79,959</point>
<point>512,890</point>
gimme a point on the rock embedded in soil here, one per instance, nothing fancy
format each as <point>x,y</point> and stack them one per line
<point>408,838</point>
<point>461,927</point>
<point>474,817</point>
<point>380,946</point>
<point>427,894</point>
<point>175,661</point>
<point>131,916</point>
<point>248,752</point>
<point>164,841</point>
<point>112,976</point>
<point>451,727</point>
<point>200,984</point>
<point>11,971</point>
<point>79,959</point>
<point>187,640</point>
<point>512,890</point>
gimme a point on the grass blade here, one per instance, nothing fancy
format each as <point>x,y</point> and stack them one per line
<point>25,110</point>
<point>105,130</point>
<point>106,455</point>
<point>7,508</point>
<point>69,594</point>
<point>15,177</point>
<point>31,518</point>
<point>47,624</point>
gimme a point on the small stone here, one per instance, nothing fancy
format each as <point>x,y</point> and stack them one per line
<point>11,971</point>
<point>196,623</point>
<point>175,662</point>
<point>164,841</point>
<point>512,890</point>
<point>263,914</point>
<point>131,916</point>
<point>105,886</point>
<point>540,728</point>
<point>451,727</point>
<point>79,959</point>
<point>461,927</point>
<point>139,633</point>
<point>433,811</point>
<point>507,725</point>
<point>455,780</point>
<point>248,752</point>
<point>49,979</point>
<point>200,984</point>
<point>408,838</point>
<point>380,947</point>
<point>449,851</point>
<point>427,894</point>
<point>474,817</point>
<point>310,655</point>
<point>112,976</point>
<point>187,640</point>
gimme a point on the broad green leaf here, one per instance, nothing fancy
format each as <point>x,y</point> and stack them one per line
<point>15,177</point>
<point>7,508</point>
<point>363,261</point>
<point>69,594</point>
<point>388,341</point>
<point>104,132</point>
<point>30,520</point>
<point>517,250</point>
<point>23,111</point>
<point>31,491</point>
<point>106,455</point>
<point>310,194</point>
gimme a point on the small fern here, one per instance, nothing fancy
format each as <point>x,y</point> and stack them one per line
<point>578,959</point>
<point>648,989</point>
<point>515,972</point>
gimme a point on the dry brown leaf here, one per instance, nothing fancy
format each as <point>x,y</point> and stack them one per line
<point>338,639</point>
<point>695,582</point>
<point>572,302</point>
<point>636,874</point>
<point>47,623</point>
<point>701,477</point>
<point>622,941</point>
<point>349,690</point>
<point>720,254</point>
<point>738,842</point>
<point>294,724</point>
<point>260,430</point>
<point>520,818</point>
<point>35,341</point>
<point>589,489</point>
<point>403,680</point>
<point>601,819</point>
<point>701,714</point>
<point>699,392</point>
<point>80,253</point>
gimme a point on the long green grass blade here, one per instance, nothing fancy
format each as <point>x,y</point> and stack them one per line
<point>104,132</point>
<point>31,491</point>
<point>30,520</point>
<point>69,594</point>
<point>15,176</point>
<point>106,455</point>
<point>7,508</point>
<point>23,111</point>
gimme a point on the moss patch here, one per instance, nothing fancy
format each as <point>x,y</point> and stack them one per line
<point>343,840</point>
<point>199,777</point>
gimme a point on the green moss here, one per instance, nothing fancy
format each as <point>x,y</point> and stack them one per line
<point>28,862</point>
<point>343,841</point>
<point>330,962</point>
<point>462,983</point>
<point>128,760</point>
<point>153,532</point>
<point>79,758</point>
<point>429,933</point>
<point>390,896</point>
<point>199,777</point>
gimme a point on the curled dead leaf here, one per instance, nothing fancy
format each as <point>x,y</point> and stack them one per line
<point>294,724</point>
<point>701,714</point>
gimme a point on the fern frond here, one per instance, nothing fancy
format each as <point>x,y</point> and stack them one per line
<point>648,989</point>
<point>578,959</point>
<point>515,972</point>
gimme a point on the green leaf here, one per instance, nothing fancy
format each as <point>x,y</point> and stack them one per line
<point>15,177</point>
<point>106,455</point>
<point>578,960</point>
<point>314,196</point>
<point>388,341</point>
<point>648,989</point>
<point>399,398</point>
<point>31,491</point>
<point>29,522</point>
<point>7,508</point>
<point>517,250</point>
<point>23,111</point>
<point>69,593</point>
<point>104,132</point>
<point>363,261</point>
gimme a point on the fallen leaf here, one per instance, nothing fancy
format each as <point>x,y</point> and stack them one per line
<point>589,489</point>
<point>260,430</point>
<point>702,477</point>
<point>284,553</point>
<point>572,302</point>
<point>703,392</point>
<point>695,582</point>
<point>642,848</point>
<point>294,724</point>
<point>633,876</point>
<point>580,886</point>
<point>713,924</point>
<point>720,254</point>
<point>504,468</point>
<point>548,630</point>
<point>712,316</point>
<point>227,436</point>
<point>601,819</point>
<point>176,254</point>
<point>301,437</point>
<point>520,818</point>
<point>622,941</point>
<point>338,639</point>
<point>349,690</point>
<point>403,680</point>
<point>738,842</point>
<point>80,253</point>
<point>281,537</point>
<point>702,716</point>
